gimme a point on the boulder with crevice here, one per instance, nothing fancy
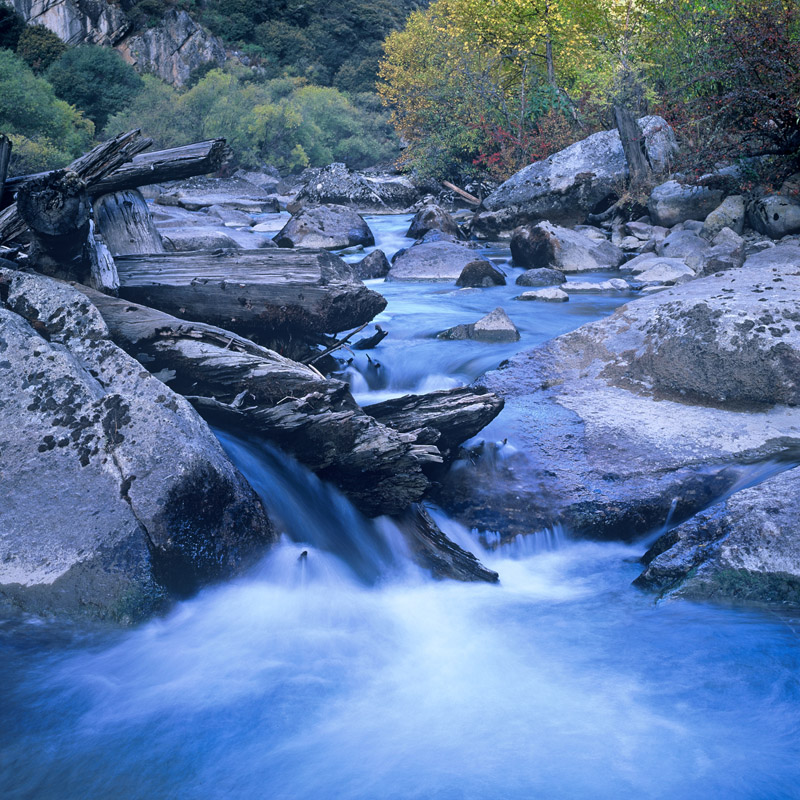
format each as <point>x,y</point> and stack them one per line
<point>330,227</point>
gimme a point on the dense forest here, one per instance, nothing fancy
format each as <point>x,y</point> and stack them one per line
<point>472,87</point>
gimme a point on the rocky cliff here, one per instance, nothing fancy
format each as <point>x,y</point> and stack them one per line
<point>171,50</point>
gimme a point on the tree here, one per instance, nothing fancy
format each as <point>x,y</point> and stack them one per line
<point>11,27</point>
<point>96,80</point>
<point>46,131</point>
<point>39,47</point>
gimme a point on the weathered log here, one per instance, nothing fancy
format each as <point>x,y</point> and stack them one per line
<point>56,208</point>
<point>632,144</point>
<point>456,414</point>
<point>434,550</point>
<point>470,198</point>
<point>235,383</point>
<point>125,224</point>
<point>177,163</point>
<point>263,293</point>
<point>91,167</point>
<point>368,342</point>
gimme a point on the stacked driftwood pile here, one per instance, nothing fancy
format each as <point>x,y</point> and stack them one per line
<point>200,322</point>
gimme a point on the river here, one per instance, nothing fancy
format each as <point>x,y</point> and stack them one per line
<point>338,669</point>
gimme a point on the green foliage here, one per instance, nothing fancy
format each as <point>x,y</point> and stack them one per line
<point>39,47</point>
<point>11,27</point>
<point>279,121</point>
<point>46,131</point>
<point>328,42</point>
<point>96,80</point>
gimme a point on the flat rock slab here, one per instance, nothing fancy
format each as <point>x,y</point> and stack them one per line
<point>550,295</point>
<point>647,414</point>
<point>200,193</point>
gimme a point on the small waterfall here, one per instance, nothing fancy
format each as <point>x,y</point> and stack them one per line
<point>316,519</point>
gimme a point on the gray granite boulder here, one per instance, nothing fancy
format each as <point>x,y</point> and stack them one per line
<point>743,549</point>
<point>673,202</point>
<point>729,214</point>
<point>375,265</point>
<point>431,261</point>
<point>196,194</point>
<point>494,327</point>
<point>480,274</point>
<point>571,183</point>
<point>550,246</point>
<point>432,217</point>
<point>329,227</point>
<point>775,216</point>
<point>542,276</point>
<point>115,497</point>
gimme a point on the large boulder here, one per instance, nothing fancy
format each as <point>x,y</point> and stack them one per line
<point>729,214</point>
<point>338,185</point>
<point>550,246</point>
<point>692,249</point>
<point>745,549</point>
<point>673,202</point>
<point>173,49</point>
<point>494,327</point>
<point>775,216</point>
<point>115,496</point>
<point>431,261</point>
<point>196,194</point>
<point>646,415</point>
<point>573,182</point>
<point>432,218</point>
<point>328,227</point>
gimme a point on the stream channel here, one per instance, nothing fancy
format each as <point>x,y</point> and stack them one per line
<point>350,673</point>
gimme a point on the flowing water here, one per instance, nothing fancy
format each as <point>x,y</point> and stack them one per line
<point>338,669</point>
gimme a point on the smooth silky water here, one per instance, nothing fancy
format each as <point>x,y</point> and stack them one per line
<point>338,669</point>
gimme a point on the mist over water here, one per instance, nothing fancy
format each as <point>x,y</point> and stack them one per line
<point>348,672</point>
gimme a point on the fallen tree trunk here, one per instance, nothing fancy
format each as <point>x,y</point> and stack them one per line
<point>91,167</point>
<point>234,382</point>
<point>177,163</point>
<point>124,222</point>
<point>267,294</point>
<point>456,414</point>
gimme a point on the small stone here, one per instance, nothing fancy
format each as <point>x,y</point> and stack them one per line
<point>552,295</point>
<point>480,274</point>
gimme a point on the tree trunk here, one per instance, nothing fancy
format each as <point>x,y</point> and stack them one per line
<point>56,208</point>
<point>102,269</point>
<point>551,67</point>
<point>633,144</point>
<point>124,222</point>
<point>177,163</point>
<point>269,294</point>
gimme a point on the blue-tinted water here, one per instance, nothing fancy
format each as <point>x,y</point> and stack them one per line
<point>349,673</point>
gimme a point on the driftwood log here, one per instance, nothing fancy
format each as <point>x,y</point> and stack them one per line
<point>125,224</point>
<point>632,144</point>
<point>235,383</point>
<point>268,294</point>
<point>456,414</point>
<point>432,549</point>
<point>158,166</point>
<point>91,167</point>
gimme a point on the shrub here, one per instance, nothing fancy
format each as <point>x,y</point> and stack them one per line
<point>96,80</point>
<point>39,47</point>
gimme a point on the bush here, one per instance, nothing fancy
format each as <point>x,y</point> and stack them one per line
<point>45,130</point>
<point>39,47</point>
<point>96,80</point>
